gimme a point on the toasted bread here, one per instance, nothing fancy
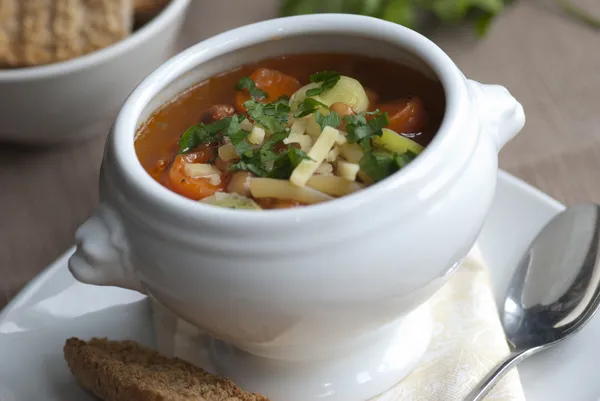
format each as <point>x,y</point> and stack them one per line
<point>126,371</point>
<point>36,32</point>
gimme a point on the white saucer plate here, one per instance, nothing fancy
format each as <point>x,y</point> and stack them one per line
<point>53,307</point>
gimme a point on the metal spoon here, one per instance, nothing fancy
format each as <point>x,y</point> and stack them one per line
<point>554,291</point>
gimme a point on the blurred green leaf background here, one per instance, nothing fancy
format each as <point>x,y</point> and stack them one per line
<point>415,13</point>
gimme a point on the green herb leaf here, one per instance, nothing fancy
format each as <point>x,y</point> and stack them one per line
<point>266,162</point>
<point>238,136</point>
<point>250,163</point>
<point>308,106</point>
<point>403,12</point>
<point>410,13</point>
<point>274,140</point>
<point>380,164</point>
<point>271,116</point>
<point>402,159</point>
<point>286,162</point>
<point>260,162</point>
<point>359,129</point>
<point>249,85</point>
<point>200,134</point>
<point>332,119</point>
<point>328,79</point>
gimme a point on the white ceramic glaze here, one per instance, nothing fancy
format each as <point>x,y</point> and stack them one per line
<point>312,286</point>
<point>53,307</point>
<point>74,99</point>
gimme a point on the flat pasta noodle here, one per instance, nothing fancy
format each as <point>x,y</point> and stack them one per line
<point>333,185</point>
<point>283,189</point>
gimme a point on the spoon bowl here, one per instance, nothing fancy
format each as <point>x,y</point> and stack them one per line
<point>555,290</point>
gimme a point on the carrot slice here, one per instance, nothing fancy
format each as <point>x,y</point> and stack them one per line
<point>190,187</point>
<point>274,82</point>
<point>406,115</point>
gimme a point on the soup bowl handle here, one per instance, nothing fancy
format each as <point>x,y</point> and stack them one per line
<point>501,114</point>
<point>102,255</point>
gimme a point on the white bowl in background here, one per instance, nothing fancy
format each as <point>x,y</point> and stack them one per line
<point>303,300</point>
<point>74,99</point>
<point>223,15</point>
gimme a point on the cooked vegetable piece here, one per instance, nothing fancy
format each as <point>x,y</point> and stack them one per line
<point>342,109</point>
<point>347,170</point>
<point>317,154</point>
<point>324,169</point>
<point>257,135</point>
<point>231,201</point>
<point>203,170</point>
<point>333,185</point>
<point>347,90</point>
<point>274,83</point>
<point>217,112</point>
<point>299,126</point>
<point>396,143</point>
<point>283,189</point>
<point>190,187</point>
<point>227,152</point>
<point>351,152</point>
<point>239,183</point>
<point>405,115</point>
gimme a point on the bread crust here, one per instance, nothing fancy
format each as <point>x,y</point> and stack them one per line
<point>37,32</point>
<point>127,371</point>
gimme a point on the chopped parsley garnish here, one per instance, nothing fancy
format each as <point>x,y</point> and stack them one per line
<point>201,133</point>
<point>266,162</point>
<point>332,119</point>
<point>251,163</point>
<point>327,79</point>
<point>238,136</point>
<point>381,164</point>
<point>250,86</point>
<point>308,106</point>
<point>360,130</point>
<point>286,162</point>
<point>271,116</point>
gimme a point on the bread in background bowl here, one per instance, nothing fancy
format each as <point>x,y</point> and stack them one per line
<point>77,98</point>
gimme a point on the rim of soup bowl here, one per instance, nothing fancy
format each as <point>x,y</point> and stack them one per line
<point>147,31</point>
<point>126,123</point>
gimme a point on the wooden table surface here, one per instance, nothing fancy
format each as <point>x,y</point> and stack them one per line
<point>550,62</point>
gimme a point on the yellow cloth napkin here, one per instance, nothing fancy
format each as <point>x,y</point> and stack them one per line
<point>468,341</point>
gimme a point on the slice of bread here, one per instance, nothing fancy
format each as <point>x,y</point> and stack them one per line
<point>36,32</point>
<point>126,371</point>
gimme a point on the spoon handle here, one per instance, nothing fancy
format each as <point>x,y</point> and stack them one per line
<point>497,373</point>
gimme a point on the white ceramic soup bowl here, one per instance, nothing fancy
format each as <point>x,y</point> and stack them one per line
<point>78,98</point>
<point>321,302</point>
